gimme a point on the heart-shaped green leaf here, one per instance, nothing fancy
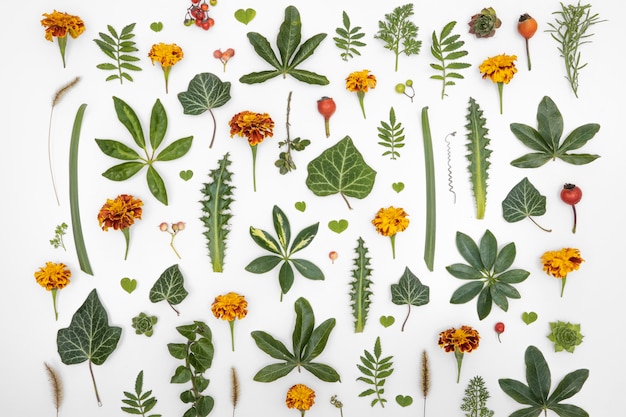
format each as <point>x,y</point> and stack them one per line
<point>245,16</point>
<point>128,284</point>
<point>338,226</point>
<point>404,401</point>
<point>529,317</point>
<point>186,175</point>
<point>387,321</point>
<point>300,206</point>
<point>397,186</point>
<point>156,26</point>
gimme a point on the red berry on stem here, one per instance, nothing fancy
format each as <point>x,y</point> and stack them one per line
<point>204,6</point>
<point>499,328</point>
<point>211,22</point>
<point>217,54</point>
<point>206,25</point>
<point>571,194</point>
<point>326,106</point>
<point>195,1</point>
<point>231,52</point>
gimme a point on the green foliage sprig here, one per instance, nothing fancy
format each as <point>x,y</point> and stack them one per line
<point>308,343</point>
<point>118,150</point>
<point>348,39</point>
<point>285,161</point>
<point>392,135</point>
<point>570,29</point>
<point>360,292</point>
<point>546,139</point>
<point>197,352</point>
<point>216,201</point>
<point>445,48</point>
<point>59,232</point>
<point>291,52</point>
<point>475,400</point>
<point>478,155</point>
<point>488,271</point>
<point>140,402</point>
<point>537,395</point>
<point>118,47</point>
<point>399,33</point>
<point>376,370</point>
<point>282,252</point>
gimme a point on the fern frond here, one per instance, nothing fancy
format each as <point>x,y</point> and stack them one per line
<point>348,39</point>
<point>392,135</point>
<point>118,48</point>
<point>478,155</point>
<point>360,293</point>
<point>216,208</point>
<point>446,48</point>
<point>375,372</point>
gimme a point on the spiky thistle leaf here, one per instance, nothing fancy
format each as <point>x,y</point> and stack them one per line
<point>360,293</point>
<point>478,155</point>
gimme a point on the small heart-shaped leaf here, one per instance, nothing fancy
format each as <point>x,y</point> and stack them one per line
<point>128,284</point>
<point>404,401</point>
<point>245,16</point>
<point>156,26</point>
<point>300,206</point>
<point>387,321</point>
<point>397,186</point>
<point>529,317</point>
<point>186,175</point>
<point>338,226</point>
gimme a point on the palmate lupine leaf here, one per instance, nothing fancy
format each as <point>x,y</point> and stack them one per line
<point>360,291</point>
<point>478,155</point>
<point>391,134</point>
<point>348,39</point>
<point>216,201</point>
<point>118,48</point>
<point>446,48</point>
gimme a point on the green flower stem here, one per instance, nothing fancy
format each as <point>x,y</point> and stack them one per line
<point>62,45</point>
<point>459,360</point>
<point>231,324</point>
<point>431,208</point>
<point>166,73</point>
<point>77,230</point>
<point>95,387</point>
<point>54,303</point>
<point>172,245</point>
<point>253,148</point>
<point>563,280</point>
<point>500,86</point>
<point>361,95</point>
<point>126,232</point>
<point>393,246</point>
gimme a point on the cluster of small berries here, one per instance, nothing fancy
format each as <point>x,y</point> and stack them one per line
<point>198,13</point>
<point>224,56</point>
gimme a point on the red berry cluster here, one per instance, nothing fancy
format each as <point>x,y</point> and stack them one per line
<point>198,13</point>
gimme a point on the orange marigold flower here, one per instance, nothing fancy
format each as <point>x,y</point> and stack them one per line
<point>561,262</point>
<point>499,68</point>
<point>300,397</point>
<point>120,213</point>
<point>360,81</point>
<point>230,306</point>
<point>254,126</point>
<point>53,276</point>
<point>59,24</point>
<point>390,220</point>
<point>465,339</point>
<point>166,54</point>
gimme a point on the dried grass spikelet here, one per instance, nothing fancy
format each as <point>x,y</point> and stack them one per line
<point>425,380</point>
<point>57,387</point>
<point>234,396</point>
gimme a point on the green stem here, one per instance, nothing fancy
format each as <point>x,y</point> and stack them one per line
<point>62,45</point>
<point>431,220</point>
<point>528,56</point>
<point>126,232</point>
<point>172,245</point>
<point>54,303</point>
<point>77,230</point>
<point>393,246</point>
<point>253,148</point>
<point>231,324</point>
<point>459,360</point>
<point>214,129</point>
<point>361,95</point>
<point>563,281</point>
<point>166,73</point>
<point>500,87</point>
<point>95,387</point>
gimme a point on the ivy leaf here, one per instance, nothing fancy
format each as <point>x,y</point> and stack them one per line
<point>89,336</point>
<point>524,200</point>
<point>409,290</point>
<point>205,92</point>
<point>342,170</point>
<point>169,287</point>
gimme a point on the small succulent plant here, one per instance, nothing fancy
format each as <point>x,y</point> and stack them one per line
<point>144,324</point>
<point>565,336</point>
<point>485,23</point>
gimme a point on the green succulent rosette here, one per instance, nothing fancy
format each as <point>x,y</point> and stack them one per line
<point>565,336</point>
<point>144,324</point>
<point>485,23</point>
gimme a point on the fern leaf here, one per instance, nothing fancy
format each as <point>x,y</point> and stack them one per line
<point>361,293</point>
<point>478,155</point>
<point>376,371</point>
<point>347,40</point>
<point>118,49</point>
<point>216,208</point>
<point>445,48</point>
<point>392,134</point>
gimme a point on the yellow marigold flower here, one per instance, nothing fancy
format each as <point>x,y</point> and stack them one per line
<point>391,220</point>
<point>53,277</point>
<point>560,263</point>
<point>300,397</point>
<point>59,24</point>
<point>360,82</point>
<point>230,306</point>
<point>499,68</point>
<point>120,213</point>
<point>166,54</point>
<point>460,341</point>
<point>254,126</point>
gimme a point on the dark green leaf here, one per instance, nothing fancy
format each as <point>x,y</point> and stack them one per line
<point>258,77</point>
<point>187,396</point>
<point>483,305</point>
<point>205,92</point>
<point>466,292</point>
<point>578,159</point>
<point>129,119</point>
<point>263,264</point>
<point>282,227</point>
<point>285,277</point>
<point>175,149</point>
<point>507,289</point>
<point>130,58</point>
<point>317,340</point>
<point>204,405</point>
<point>505,258</point>
<point>498,297</point>
<point>304,238</point>
<point>488,250</point>
<point>158,124</point>
<point>263,48</point>
<point>123,171</point>
<point>181,375</point>
<point>130,67</point>
<point>537,373</point>
<point>549,122</point>
<point>169,287</point>
<point>568,410</point>
<point>309,77</point>
<point>305,321</point>
<point>523,201</point>
<point>409,290</point>
<point>322,371</point>
<point>106,67</point>
<point>177,350</point>
<point>532,160</point>
<point>289,34</point>
<point>570,385</point>
<point>272,372</point>
<point>306,50</point>
<point>519,392</point>
<point>117,150</point>
<point>275,348</point>
<point>265,240</point>
<point>463,271</point>
<point>513,276</point>
<point>578,137</point>
<point>156,185</point>
<point>308,269</point>
<point>530,137</point>
<point>469,250</point>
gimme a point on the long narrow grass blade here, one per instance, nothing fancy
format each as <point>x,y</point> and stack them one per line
<point>431,222</point>
<point>79,242</point>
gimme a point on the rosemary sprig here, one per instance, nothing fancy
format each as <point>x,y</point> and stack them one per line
<point>570,30</point>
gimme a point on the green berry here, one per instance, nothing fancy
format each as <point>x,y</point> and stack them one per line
<point>400,88</point>
<point>409,83</point>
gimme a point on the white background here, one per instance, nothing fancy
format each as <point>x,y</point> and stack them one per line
<point>32,72</point>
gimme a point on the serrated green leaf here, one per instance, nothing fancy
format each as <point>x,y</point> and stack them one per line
<point>169,287</point>
<point>478,155</point>
<point>360,286</point>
